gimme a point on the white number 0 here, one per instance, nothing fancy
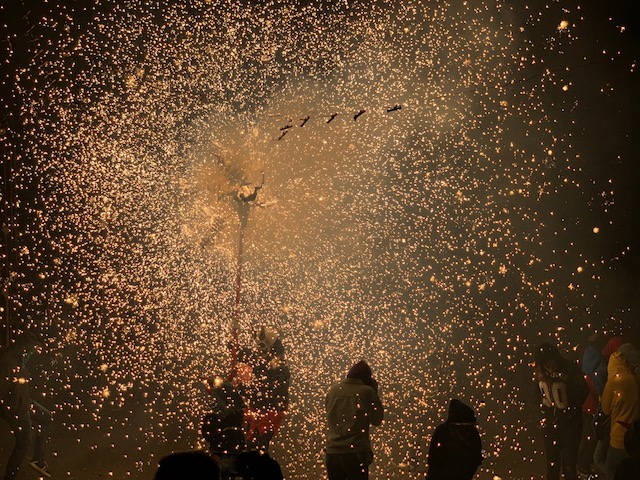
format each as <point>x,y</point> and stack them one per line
<point>557,397</point>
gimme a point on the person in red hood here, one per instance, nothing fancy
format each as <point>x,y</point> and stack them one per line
<point>267,393</point>
<point>594,366</point>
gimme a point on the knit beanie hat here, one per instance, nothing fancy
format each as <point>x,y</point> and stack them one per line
<point>361,371</point>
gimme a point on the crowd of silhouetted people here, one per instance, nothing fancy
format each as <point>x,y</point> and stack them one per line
<point>590,417</point>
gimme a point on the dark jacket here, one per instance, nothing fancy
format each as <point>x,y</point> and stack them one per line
<point>455,452</point>
<point>561,393</point>
<point>223,427</point>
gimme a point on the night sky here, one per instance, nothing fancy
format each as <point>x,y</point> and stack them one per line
<point>447,184</point>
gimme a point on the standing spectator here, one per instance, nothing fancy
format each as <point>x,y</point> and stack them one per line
<point>353,405</point>
<point>18,408</point>
<point>632,358</point>
<point>601,422</point>
<point>620,401</point>
<point>561,392</point>
<point>455,452</point>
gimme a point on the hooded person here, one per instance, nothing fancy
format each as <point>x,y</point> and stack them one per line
<point>455,451</point>
<point>621,401</point>
<point>19,409</point>
<point>561,392</point>
<point>352,406</point>
<point>601,422</point>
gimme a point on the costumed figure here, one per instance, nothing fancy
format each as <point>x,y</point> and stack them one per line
<point>267,393</point>
<point>245,197</point>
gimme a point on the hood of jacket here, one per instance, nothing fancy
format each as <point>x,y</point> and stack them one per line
<point>617,366</point>
<point>632,356</point>
<point>460,413</point>
<point>612,346</point>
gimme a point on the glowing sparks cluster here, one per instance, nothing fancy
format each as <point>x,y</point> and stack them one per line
<point>437,241</point>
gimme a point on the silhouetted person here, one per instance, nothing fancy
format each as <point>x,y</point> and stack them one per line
<point>352,406</point>
<point>18,408</point>
<point>222,428</point>
<point>561,393</point>
<point>455,452</point>
<point>256,465</point>
<point>194,465</point>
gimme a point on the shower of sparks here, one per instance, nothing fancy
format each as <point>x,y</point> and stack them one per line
<point>432,208</point>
